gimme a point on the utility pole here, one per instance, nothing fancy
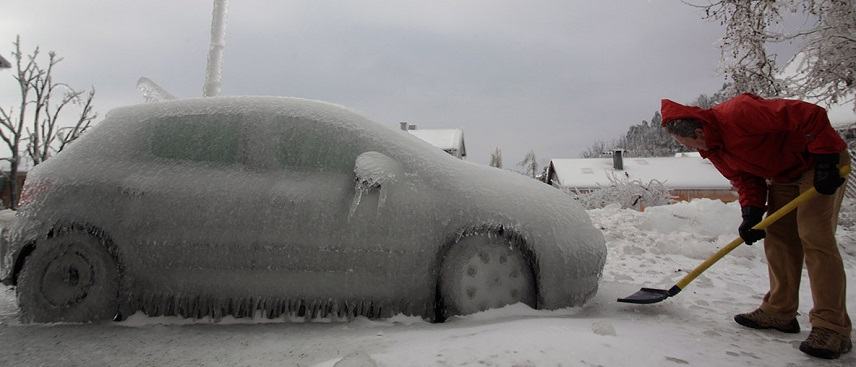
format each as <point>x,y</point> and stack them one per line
<point>214,71</point>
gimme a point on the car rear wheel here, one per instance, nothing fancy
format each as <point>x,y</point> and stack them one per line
<point>482,272</point>
<point>70,278</point>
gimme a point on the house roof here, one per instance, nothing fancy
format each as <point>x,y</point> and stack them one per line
<point>843,125</point>
<point>685,172</point>
<point>445,139</point>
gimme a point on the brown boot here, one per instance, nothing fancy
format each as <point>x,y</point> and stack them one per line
<point>825,343</point>
<point>759,319</point>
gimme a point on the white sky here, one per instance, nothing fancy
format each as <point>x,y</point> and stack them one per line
<point>552,76</point>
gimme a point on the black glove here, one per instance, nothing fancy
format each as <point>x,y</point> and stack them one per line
<point>826,175</point>
<point>751,217</point>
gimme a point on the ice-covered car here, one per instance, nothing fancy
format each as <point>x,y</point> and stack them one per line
<point>269,206</point>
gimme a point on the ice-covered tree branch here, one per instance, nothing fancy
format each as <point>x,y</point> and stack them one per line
<point>35,127</point>
<point>825,63</point>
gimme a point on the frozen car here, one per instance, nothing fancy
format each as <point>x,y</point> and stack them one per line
<point>281,207</point>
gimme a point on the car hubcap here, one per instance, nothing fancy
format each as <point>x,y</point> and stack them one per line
<point>493,278</point>
<point>67,279</point>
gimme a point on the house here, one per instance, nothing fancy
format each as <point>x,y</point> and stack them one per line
<point>4,64</point>
<point>5,188</point>
<point>848,132</point>
<point>686,175</point>
<point>450,140</point>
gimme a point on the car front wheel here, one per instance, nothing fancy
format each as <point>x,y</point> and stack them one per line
<point>482,272</point>
<point>69,278</point>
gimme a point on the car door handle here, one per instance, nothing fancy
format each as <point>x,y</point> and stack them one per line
<point>131,191</point>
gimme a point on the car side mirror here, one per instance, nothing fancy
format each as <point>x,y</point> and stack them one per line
<point>372,171</point>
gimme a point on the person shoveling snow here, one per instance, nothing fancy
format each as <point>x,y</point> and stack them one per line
<point>772,150</point>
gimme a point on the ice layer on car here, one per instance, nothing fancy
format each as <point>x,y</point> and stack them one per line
<point>246,205</point>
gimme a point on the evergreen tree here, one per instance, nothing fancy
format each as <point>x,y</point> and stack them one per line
<point>529,164</point>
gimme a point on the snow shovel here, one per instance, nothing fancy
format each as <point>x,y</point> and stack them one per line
<point>650,295</point>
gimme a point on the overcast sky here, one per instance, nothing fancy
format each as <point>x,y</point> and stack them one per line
<point>547,75</point>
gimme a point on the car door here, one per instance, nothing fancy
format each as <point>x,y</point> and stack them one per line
<point>197,200</point>
<point>325,243</point>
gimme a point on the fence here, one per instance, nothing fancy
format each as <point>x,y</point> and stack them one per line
<point>850,192</point>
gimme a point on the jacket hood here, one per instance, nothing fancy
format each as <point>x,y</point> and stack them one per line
<point>671,110</point>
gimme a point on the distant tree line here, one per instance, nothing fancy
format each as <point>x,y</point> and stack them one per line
<point>648,138</point>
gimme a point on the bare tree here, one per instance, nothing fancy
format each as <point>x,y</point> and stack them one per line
<point>624,191</point>
<point>35,125</point>
<point>826,61</point>
<point>496,158</point>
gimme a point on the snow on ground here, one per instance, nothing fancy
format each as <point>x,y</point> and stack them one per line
<point>652,249</point>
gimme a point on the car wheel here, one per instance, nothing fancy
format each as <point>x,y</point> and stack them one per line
<point>483,272</point>
<point>68,278</point>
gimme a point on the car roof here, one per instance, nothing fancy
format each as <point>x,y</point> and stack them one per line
<point>282,106</point>
<point>125,120</point>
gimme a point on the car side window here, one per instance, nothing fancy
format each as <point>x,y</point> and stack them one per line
<point>305,145</point>
<point>199,138</point>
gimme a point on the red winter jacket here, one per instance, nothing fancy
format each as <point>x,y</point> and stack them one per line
<point>751,139</point>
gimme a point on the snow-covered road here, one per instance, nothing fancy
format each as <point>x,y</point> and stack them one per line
<point>652,249</point>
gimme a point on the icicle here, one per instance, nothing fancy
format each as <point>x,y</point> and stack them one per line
<point>316,306</point>
<point>377,309</point>
<point>282,307</point>
<point>159,303</point>
<point>327,311</point>
<point>381,199</point>
<point>358,195</point>
<point>254,305</point>
<point>301,308</point>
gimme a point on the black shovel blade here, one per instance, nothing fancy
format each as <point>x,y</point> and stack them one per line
<point>647,296</point>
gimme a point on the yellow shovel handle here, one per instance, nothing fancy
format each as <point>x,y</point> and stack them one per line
<point>770,219</point>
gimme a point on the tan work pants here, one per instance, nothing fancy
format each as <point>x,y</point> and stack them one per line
<point>806,234</point>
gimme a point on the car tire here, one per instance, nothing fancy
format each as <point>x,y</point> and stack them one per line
<point>69,278</point>
<point>482,272</point>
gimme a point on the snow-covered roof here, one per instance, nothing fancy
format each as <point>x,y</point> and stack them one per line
<point>441,138</point>
<point>688,155</point>
<point>445,139</point>
<point>844,124</point>
<point>674,172</point>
